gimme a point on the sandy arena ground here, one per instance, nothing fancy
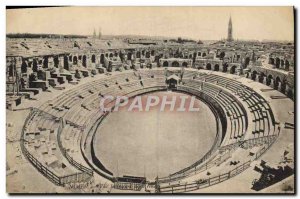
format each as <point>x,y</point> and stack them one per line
<point>151,143</point>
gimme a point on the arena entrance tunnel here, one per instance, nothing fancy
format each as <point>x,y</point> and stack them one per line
<point>172,81</point>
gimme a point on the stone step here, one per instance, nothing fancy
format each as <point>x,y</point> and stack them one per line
<point>52,82</point>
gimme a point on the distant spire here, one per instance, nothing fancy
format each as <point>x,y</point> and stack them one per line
<point>230,37</point>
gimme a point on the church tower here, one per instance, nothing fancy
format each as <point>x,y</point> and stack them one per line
<point>229,37</point>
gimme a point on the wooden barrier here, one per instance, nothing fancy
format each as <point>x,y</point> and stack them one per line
<point>217,179</point>
<point>50,175</point>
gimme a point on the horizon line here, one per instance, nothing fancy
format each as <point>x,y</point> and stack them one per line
<point>169,37</point>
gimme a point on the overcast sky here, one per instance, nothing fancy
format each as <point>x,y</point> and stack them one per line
<point>206,23</point>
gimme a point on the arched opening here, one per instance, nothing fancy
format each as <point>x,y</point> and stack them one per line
<point>208,66</point>
<point>203,54</point>
<point>111,55</point>
<point>56,61</point>
<point>129,56</point>
<point>34,65</point>
<point>116,54</point>
<point>10,70</point>
<point>287,65</point>
<point>276,83</point>
<point>24,66</point>
<point>217,67</point>
<point>84,60</point>
<point>138,54</point>
<point>283,86</point>
<point>175,64</point>
<point>277,62</point>
<point>184,64</point>
<point>222,55</point>
<point>247,61</point>
<point>199,54</point>
<point>45,62</point>
<point>261,77</point>
<point>122,56</point>
<point>102,59</point>
<point>233,69</point>
<point>70,58</point>
<point>75,60</point>
<point>66,63</point>
<point>271,61</point>
<point>152,52</point>
<point>147,54</point>
<point>172,81</point>
<point>254,75</point>
<point>282,63</point>
<point>93,58</point>
<point>165,64</point>
<point>269,80</point>
<point>225,67</point>
<point>191,56</point>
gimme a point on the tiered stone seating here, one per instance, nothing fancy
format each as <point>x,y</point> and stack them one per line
<point>152,73</point>
<point>40,139</point>
<point>189,74</point>
<point>61,105</point>
<point>153,82</point>
<point>263,119</point>
<point>233,110</point>
<point>70,139</point>
<point>235,116</point>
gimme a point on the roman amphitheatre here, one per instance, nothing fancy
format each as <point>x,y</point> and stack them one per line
<point>58,140</point>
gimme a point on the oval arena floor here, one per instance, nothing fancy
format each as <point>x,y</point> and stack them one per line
<point>154,143</point>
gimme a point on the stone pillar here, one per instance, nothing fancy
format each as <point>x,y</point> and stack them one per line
<point>47,75</point>
<point>61,64</point>
<point>88,61</point>
<point>279,86</point>
<point>98,59</point>
<point>70,62</point>
<point>264,80</point>
<point>271,83</point>
<point>247,74</point>
<point>18,65</point>
<point>250,75</point>
<point>50,62</point>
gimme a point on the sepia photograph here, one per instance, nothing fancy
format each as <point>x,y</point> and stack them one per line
<point>150,100</point>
